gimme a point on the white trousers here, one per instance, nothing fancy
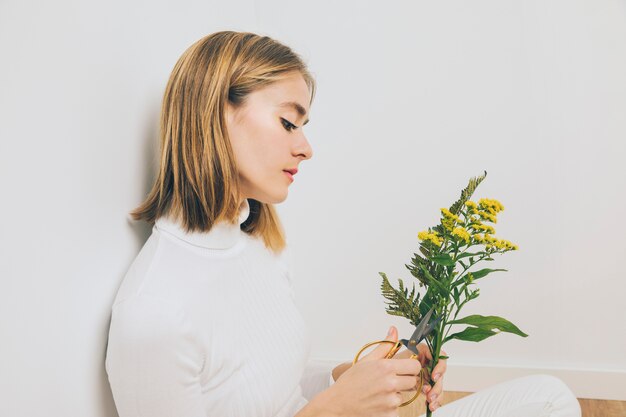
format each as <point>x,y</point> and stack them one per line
<point>536,395</point>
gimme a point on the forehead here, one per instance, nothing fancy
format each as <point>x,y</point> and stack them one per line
<point>290,92</point>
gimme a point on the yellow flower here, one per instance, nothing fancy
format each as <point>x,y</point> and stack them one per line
<point>448,224</point>
<point>510,246</point>
<point>487,216</point>
<point>429,237</point>
<point>471,207</point>
<point>479,238</point>
<point>484,227</point>
<point>462,233</point>
<point>475,223</point>
<point>486,203</point>
<point>448,214</point>
<point>500,243</point>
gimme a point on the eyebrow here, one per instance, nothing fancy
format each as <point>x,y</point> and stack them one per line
<point>297,107</point>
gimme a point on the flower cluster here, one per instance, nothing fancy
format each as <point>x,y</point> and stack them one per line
<point>467,228</point>
<point>462,234</point>
<point>449,219</point>
<point>499,244</point>
<point>431,237</point>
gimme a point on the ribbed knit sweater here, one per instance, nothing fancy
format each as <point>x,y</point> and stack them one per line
<point>205,324</point>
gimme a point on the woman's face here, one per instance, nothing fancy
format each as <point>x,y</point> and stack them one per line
<point>264,139</point>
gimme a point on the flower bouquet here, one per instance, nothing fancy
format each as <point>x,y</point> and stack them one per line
<point>445,268</point>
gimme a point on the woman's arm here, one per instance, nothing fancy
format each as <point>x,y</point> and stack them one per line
<point>153,360</point>
<point>340,369</point>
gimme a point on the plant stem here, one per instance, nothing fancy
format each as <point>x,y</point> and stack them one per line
<point>436,351</point>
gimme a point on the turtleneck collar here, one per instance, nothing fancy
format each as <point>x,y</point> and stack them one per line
<point>222,235</point>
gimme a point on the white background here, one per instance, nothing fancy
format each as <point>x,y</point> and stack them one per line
<point>414,98</point>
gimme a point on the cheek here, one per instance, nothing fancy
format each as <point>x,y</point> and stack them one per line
<point>262,148</point>
<point>269,143</point>
<point>262,157</point>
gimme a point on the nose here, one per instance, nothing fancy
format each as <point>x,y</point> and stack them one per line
<point>303,148</point>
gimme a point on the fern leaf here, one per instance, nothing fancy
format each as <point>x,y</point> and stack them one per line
<point>466,194</point>
<point>400,303</point>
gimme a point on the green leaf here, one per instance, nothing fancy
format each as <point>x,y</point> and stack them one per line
<point>465,255</point>
<point>466,193</point>
<point>455,295</point>
<point>481,273</point>
<point>490,323</point>
<point>431,281</point>
<point>427,301</point>
<point>443,259</point>
<point>401,302</point>
<point>471,334</point>
<point>444,357</point>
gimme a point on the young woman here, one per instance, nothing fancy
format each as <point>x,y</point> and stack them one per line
<point>204,323</point>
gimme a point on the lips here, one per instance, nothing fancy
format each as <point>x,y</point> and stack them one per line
<point>291,171</point>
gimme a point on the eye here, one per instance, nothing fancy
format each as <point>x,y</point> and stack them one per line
<point>287,125</point>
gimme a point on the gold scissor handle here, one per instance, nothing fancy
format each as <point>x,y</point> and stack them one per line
<point>394,349</point>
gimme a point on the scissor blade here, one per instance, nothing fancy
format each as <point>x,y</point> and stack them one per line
<point>421,330</point>
<point>431,326</point>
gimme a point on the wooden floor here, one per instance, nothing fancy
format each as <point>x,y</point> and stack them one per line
<point>590,408</point>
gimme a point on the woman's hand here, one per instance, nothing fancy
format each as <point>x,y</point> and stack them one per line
<point>434,394</point>
<point>370,388</point>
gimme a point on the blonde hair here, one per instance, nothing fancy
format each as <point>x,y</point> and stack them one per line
<point>197,181</point>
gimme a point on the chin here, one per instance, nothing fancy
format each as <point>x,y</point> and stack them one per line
<point>272,198</point>
<point>280,199</point>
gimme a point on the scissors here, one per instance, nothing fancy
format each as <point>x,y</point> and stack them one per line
<point>423,329</point>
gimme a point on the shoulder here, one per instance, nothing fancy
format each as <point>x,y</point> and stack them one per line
<point>148,318</point>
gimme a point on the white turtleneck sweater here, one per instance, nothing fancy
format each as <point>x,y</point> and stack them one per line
<point>204,324</point>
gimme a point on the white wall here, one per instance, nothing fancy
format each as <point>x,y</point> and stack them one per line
<point>413,100</point>
<point>416,99</point>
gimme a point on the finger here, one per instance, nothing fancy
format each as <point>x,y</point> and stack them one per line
<point>439,370</point>
<point>434,406</point>
<point>427,376</point>
<point>406,367</point>
<point>436,391</point>
<point>426,350</point>
<point>405,354</point>
<point>406,383</point>
<point>424,354</point>
<point>435,395</point>
<point>439,383</point>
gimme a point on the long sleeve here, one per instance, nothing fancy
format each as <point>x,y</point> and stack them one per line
<point>317,377</point>
<point>153,360</point>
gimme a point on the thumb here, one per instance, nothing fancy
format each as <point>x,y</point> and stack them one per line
<point>383,348</point>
